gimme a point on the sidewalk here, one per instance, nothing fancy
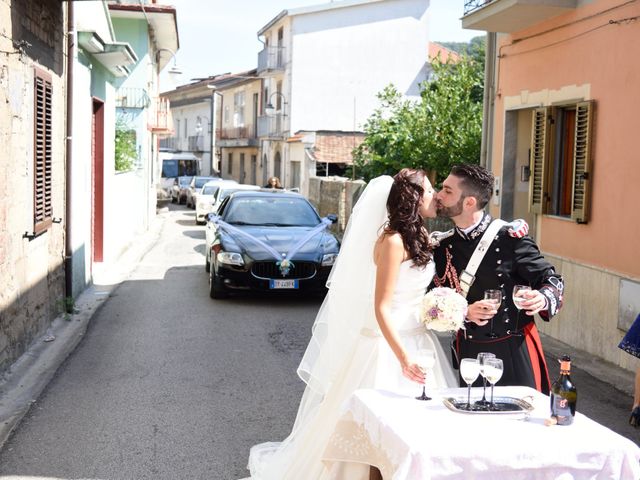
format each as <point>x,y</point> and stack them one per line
<point>25,380</point>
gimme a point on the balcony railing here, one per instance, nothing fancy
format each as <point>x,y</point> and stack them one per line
<point>196,143</point>
<point>159,117</point>
<point>271,58</point>
<point>510,16</point>
<point>132,98</point>
<point>170,143</point>
<point>237,133</point>
<point>271,126</point>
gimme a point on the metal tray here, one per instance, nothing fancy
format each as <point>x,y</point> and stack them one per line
<point>506,406</point>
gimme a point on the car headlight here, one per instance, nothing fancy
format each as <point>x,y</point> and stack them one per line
<point>230,258</point>
<point>329,259</point>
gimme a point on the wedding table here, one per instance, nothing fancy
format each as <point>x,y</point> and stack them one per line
<point>409,439</point>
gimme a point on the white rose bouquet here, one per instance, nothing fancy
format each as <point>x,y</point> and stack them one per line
<point>443,310</point>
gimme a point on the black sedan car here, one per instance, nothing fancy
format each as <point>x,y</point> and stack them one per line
<point>257,243</point>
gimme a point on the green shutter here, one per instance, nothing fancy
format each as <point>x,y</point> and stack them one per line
<point>582,162</point>
<point>538,160</point>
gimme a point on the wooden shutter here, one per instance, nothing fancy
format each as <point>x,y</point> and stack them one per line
<point>582,162</point>
<point>42,151</point>
<point>538,161</point>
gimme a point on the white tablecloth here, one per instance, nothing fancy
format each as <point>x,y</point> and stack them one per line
<point>412,440</point>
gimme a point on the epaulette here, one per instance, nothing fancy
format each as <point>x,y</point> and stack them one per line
<point>436,237</point>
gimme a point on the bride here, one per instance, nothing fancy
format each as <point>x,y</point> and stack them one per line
<point>367,330</point>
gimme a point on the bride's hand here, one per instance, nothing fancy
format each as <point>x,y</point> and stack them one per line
<point>413,371</point>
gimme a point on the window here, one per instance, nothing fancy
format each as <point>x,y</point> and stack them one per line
<point>42,152</point>
<point>186,128</point>
<point>561,161</point>
<point>230,163</point>
<point>279,96</point>
<point>178,128</point>
<point>238,109</point>
<point>242,172</point>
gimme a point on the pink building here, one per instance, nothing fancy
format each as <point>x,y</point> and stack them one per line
<point>561,109</point>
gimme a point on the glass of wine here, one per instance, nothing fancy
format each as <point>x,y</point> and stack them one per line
<point>482,358</point>
<point>493,368</point>
<point>495,297</point>
<point>426,359</point>
<point>469,371</point>
<point>518,299</point>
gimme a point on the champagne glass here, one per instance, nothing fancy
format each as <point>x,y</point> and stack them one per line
<point>469,371</point>
<point>482,357</point>
<point>493,368</point>
<point>495,297</point>
<point>426,359</point>
<point>518,299</point>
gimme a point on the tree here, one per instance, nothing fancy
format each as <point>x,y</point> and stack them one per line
<point>125,147</point>
<point>441,129</point>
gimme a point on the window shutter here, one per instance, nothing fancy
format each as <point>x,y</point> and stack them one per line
<point>582,162</point>
<point>43,210</point>
<point>538,160</point>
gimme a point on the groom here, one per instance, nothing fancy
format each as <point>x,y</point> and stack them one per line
<point>509,261</point>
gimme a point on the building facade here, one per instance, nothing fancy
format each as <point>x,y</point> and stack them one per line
<point>559,136</point>
<point>322,67</point>
<point>32,191</point>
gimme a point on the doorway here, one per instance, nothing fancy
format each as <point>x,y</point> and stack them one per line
<point>97,174</point>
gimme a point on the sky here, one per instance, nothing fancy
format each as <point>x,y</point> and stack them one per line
<point>218,36</point>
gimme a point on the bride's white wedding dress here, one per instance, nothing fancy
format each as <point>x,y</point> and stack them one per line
<point>368,362</point>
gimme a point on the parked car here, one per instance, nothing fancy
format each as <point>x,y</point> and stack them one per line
<point>179,189</point>
<point>280,220</point>
<point>206,198</point>
<point>196,184</point>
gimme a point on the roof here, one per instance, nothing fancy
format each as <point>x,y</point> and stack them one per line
<point>221,81</point>
<point>162,22</point>
<point>445,53</point>
<point>314,9</point>
<point>335,147</point>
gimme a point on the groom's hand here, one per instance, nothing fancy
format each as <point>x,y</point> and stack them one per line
<point>481,312</point>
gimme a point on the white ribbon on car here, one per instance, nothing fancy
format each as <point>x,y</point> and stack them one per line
<point>283,261</point>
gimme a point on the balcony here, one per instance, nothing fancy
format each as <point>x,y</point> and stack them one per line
<point>159,119</point>
<point>132,98</point>
<point>271,126</point>
<point>508,16</point>
<point>237,137</point>
<point>169,143</point>
<point>271,59</point>
<point>196,143</point>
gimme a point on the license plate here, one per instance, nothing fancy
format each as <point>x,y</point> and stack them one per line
<point>289,283</point>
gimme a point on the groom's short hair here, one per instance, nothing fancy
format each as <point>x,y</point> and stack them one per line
<point>476,181</point>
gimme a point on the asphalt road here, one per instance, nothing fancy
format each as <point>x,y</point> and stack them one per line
<point>169,384</point>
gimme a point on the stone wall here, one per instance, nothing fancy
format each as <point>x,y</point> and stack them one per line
<point>31,268</point>
<point>335,195</point>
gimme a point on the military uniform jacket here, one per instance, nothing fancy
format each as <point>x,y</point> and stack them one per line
<point>509,261</point>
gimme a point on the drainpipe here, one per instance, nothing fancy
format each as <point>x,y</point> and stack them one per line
<point>487,101</point>
<point>68,245</point>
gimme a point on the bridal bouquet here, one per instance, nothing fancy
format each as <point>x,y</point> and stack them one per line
<point>443,310</point>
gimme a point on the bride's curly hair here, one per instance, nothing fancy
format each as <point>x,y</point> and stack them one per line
<point>403,204</point>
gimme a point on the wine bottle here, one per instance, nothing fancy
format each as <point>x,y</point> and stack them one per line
<point>564,395</point>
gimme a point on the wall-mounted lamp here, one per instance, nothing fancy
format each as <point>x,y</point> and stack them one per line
<point>174,71</point>
<point>270,110</point>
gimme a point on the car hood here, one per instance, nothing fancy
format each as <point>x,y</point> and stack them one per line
<point>281,239</point>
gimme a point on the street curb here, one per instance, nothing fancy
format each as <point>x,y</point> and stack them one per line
<point>27,378</point>
<point>597,367</point>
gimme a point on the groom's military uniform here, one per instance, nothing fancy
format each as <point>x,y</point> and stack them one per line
<point>509,261</point>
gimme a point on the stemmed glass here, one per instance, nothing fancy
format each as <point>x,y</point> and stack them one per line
<point>469,371</point>
<point>518,299</point>
<point>482,358</point>
<point>495,297</point>
<point>426,359</point>
<point>493,368</point>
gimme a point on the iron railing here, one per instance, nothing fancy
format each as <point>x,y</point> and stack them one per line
<point>472,5</point>
<point>234,133</point>
<point>130,97</point>
<point>271,58</point>
<point>271,126</point>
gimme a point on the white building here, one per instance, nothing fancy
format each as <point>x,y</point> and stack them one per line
<point>322,68</point>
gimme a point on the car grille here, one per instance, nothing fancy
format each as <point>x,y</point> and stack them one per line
<point>271,270</point>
